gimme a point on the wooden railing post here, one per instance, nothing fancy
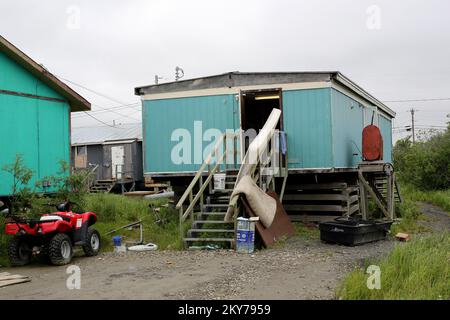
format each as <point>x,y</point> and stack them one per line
<point>181,222</point>
<point>200,183</point>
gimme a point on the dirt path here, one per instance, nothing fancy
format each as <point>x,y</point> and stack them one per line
<point>436,219</point>
<point>302,269</point>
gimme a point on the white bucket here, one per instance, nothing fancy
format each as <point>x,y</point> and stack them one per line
<point>219,181</point>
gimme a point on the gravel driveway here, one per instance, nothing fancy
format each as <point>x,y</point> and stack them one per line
<point>301,269</point>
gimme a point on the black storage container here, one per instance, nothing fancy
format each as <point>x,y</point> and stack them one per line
<point>353,232</point>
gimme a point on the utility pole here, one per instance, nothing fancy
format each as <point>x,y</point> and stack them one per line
<point>412,125</point>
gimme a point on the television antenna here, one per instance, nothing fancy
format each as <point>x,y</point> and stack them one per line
<point>179,73</point>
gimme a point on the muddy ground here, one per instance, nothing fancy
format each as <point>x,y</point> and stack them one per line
<point>301,269</point>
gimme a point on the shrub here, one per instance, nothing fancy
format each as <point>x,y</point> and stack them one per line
<point>425,164</point>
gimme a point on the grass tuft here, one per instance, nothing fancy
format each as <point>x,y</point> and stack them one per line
<point>415,270</point>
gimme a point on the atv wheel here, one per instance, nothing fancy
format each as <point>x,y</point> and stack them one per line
<point>92,246</point>
<point>19,252</point>
<point>43,257</point>
<point>60,249</point>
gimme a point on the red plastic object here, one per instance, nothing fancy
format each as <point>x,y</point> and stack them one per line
<point>372,143</point>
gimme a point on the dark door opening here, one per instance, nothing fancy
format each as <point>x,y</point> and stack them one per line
<point>256,107</point>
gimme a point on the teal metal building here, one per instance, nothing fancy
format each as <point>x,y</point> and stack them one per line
<point>323,115</point>
<point>35,110</point>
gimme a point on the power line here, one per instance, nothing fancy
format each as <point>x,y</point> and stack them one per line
<point>110,110</point>
<point>93,91</point>
<point>105,124</point>
<point>102,95</point>
<point>99,120</point>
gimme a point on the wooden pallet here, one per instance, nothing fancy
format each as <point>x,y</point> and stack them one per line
<point>320,201</point>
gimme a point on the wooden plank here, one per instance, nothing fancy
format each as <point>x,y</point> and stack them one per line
<point>364,200</point>
<point>312,207</point>
<point>352,189</point>
<point>321,197</point>
<point>317,186</point>
<point>15,281</point>
<point>11,277</point>
<point>373,194</point>
<point>353,209</point>
<point>353,199</point>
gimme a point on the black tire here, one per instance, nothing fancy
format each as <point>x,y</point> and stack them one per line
<point>93,243</point>
<point>19,252</point>
<point>43,257</point>
<point>60,249</point>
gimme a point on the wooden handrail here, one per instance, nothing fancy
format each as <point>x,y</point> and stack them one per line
<point>199,172</point>
<point>198,179</point>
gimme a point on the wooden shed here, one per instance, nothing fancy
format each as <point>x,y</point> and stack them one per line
<point>35,108</point>
<point>113,153</point>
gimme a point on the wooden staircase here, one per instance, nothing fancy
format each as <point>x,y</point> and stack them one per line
<point>265,159</point>
<point>102,186</point>
<point>208,226</point>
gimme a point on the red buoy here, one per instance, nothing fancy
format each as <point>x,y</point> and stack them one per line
<point>372,143</point>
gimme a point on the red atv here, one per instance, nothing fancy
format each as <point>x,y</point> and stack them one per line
<point>52,237</point>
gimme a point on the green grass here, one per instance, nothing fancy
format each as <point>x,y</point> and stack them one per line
<point>409,214</point>
<point>440,198</point>
<point>306,232</point>
<point>114,211</point>
<point>415,270</point>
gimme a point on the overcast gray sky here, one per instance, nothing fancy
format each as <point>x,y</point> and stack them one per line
<point>396,50</point>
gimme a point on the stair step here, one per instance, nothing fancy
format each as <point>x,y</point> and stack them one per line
<point>212,222</point>
<point>220,191</point>
<point>212,230</point>
<point>217,205</point>
<point>209,239</point>
<point>211,213</point>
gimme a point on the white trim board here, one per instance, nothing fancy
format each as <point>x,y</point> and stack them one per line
<point>342,89</point>
<point>236,90</point>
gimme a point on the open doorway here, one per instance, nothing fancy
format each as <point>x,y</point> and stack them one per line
<point>256,107</point>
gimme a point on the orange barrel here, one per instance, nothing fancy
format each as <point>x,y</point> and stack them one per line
<point>372,143</point>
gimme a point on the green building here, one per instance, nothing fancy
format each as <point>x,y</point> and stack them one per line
<point>35,109</point>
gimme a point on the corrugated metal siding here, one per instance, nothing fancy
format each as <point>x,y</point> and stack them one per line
<point>100,134</point>
<point>162,117</point>
<point>307,121</point>
<point>15,78</point>
<point>348,118</point>
<point>37,129</point>
<point>386,132</point>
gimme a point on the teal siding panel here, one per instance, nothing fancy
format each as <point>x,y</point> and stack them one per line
<point>37,129</point>
<point>162,117</point>
<point>348,118</point>
<point>386,132</point>
<point>18,135</point>
<point>54,145</point>
<point>14,77</point>
<point>307,122</point>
